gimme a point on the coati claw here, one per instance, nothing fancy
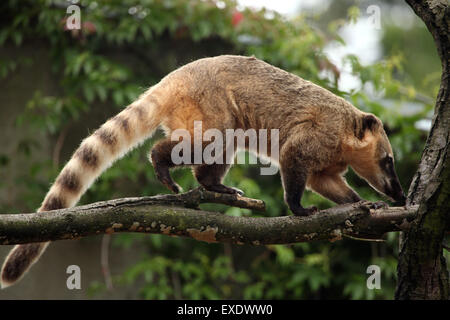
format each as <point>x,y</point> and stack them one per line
<point>238,191</point>
<point>378,205</point>
<point>372,205</point>
<point>175,188</point>
<point>304,212</point>
<point>220,188</point>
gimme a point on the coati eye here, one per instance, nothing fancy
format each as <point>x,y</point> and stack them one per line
<point>387,162</point>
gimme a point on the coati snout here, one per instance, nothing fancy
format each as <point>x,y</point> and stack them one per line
<point>391,187</point>
<point>374,160</point>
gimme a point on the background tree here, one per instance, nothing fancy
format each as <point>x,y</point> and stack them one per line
<point>422,268</point>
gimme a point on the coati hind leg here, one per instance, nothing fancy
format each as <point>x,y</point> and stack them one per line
<point>333,187</point>
<point>210,176</point>
<point>162,161</point>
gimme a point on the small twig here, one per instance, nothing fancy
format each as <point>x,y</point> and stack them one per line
<point>199,195</point>
<point>176,285</point>
<point>104,260</point>
<point>228,250</point>
<point>58,145</point>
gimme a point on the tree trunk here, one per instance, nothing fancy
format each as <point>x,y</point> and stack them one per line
<point>422,270</point>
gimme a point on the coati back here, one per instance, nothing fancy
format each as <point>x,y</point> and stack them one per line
<point>320,135</point>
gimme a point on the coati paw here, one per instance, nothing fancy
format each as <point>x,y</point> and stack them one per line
<point>378,205</point>
<point>400,203</point>
<point>304,212</point>
<point>169,183</point>
<point>238,191</point>
<point>372,205</point>
<point>175,188</point>
<point>220,188</point>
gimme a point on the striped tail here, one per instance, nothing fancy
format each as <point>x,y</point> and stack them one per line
<point>110,142</point>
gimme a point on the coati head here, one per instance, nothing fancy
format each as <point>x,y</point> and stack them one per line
<point>372,158</point>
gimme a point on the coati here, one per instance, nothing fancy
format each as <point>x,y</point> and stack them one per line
<point>320,135</point>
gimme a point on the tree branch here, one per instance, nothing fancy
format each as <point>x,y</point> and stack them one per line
<point>175,215</point>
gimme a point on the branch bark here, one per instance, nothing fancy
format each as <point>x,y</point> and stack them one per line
<point>175,215</point>
<point>422,271</point>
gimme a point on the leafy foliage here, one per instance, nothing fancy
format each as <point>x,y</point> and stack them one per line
<point>126,46</point>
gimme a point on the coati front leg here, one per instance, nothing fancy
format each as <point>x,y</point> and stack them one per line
<point>210,176</point>
<point>333,187</point>
<point>293,176</point>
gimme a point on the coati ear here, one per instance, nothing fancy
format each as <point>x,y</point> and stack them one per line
<point>368,122</point>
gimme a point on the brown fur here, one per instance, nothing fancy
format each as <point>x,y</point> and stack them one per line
<point>68,180</point>
<point>21,258</point>
<point>123,124</point>
<point>107,136</point>
<point>53,202</point>
<point>88,155</point>
<point>320,134</point>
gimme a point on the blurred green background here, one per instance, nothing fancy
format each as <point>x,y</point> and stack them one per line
<point>58,85</point>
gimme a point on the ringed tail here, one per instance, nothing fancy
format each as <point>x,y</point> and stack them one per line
<point>110,142</point>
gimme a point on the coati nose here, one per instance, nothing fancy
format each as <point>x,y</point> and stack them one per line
<point>400,201</point>
<point>395,191</point>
